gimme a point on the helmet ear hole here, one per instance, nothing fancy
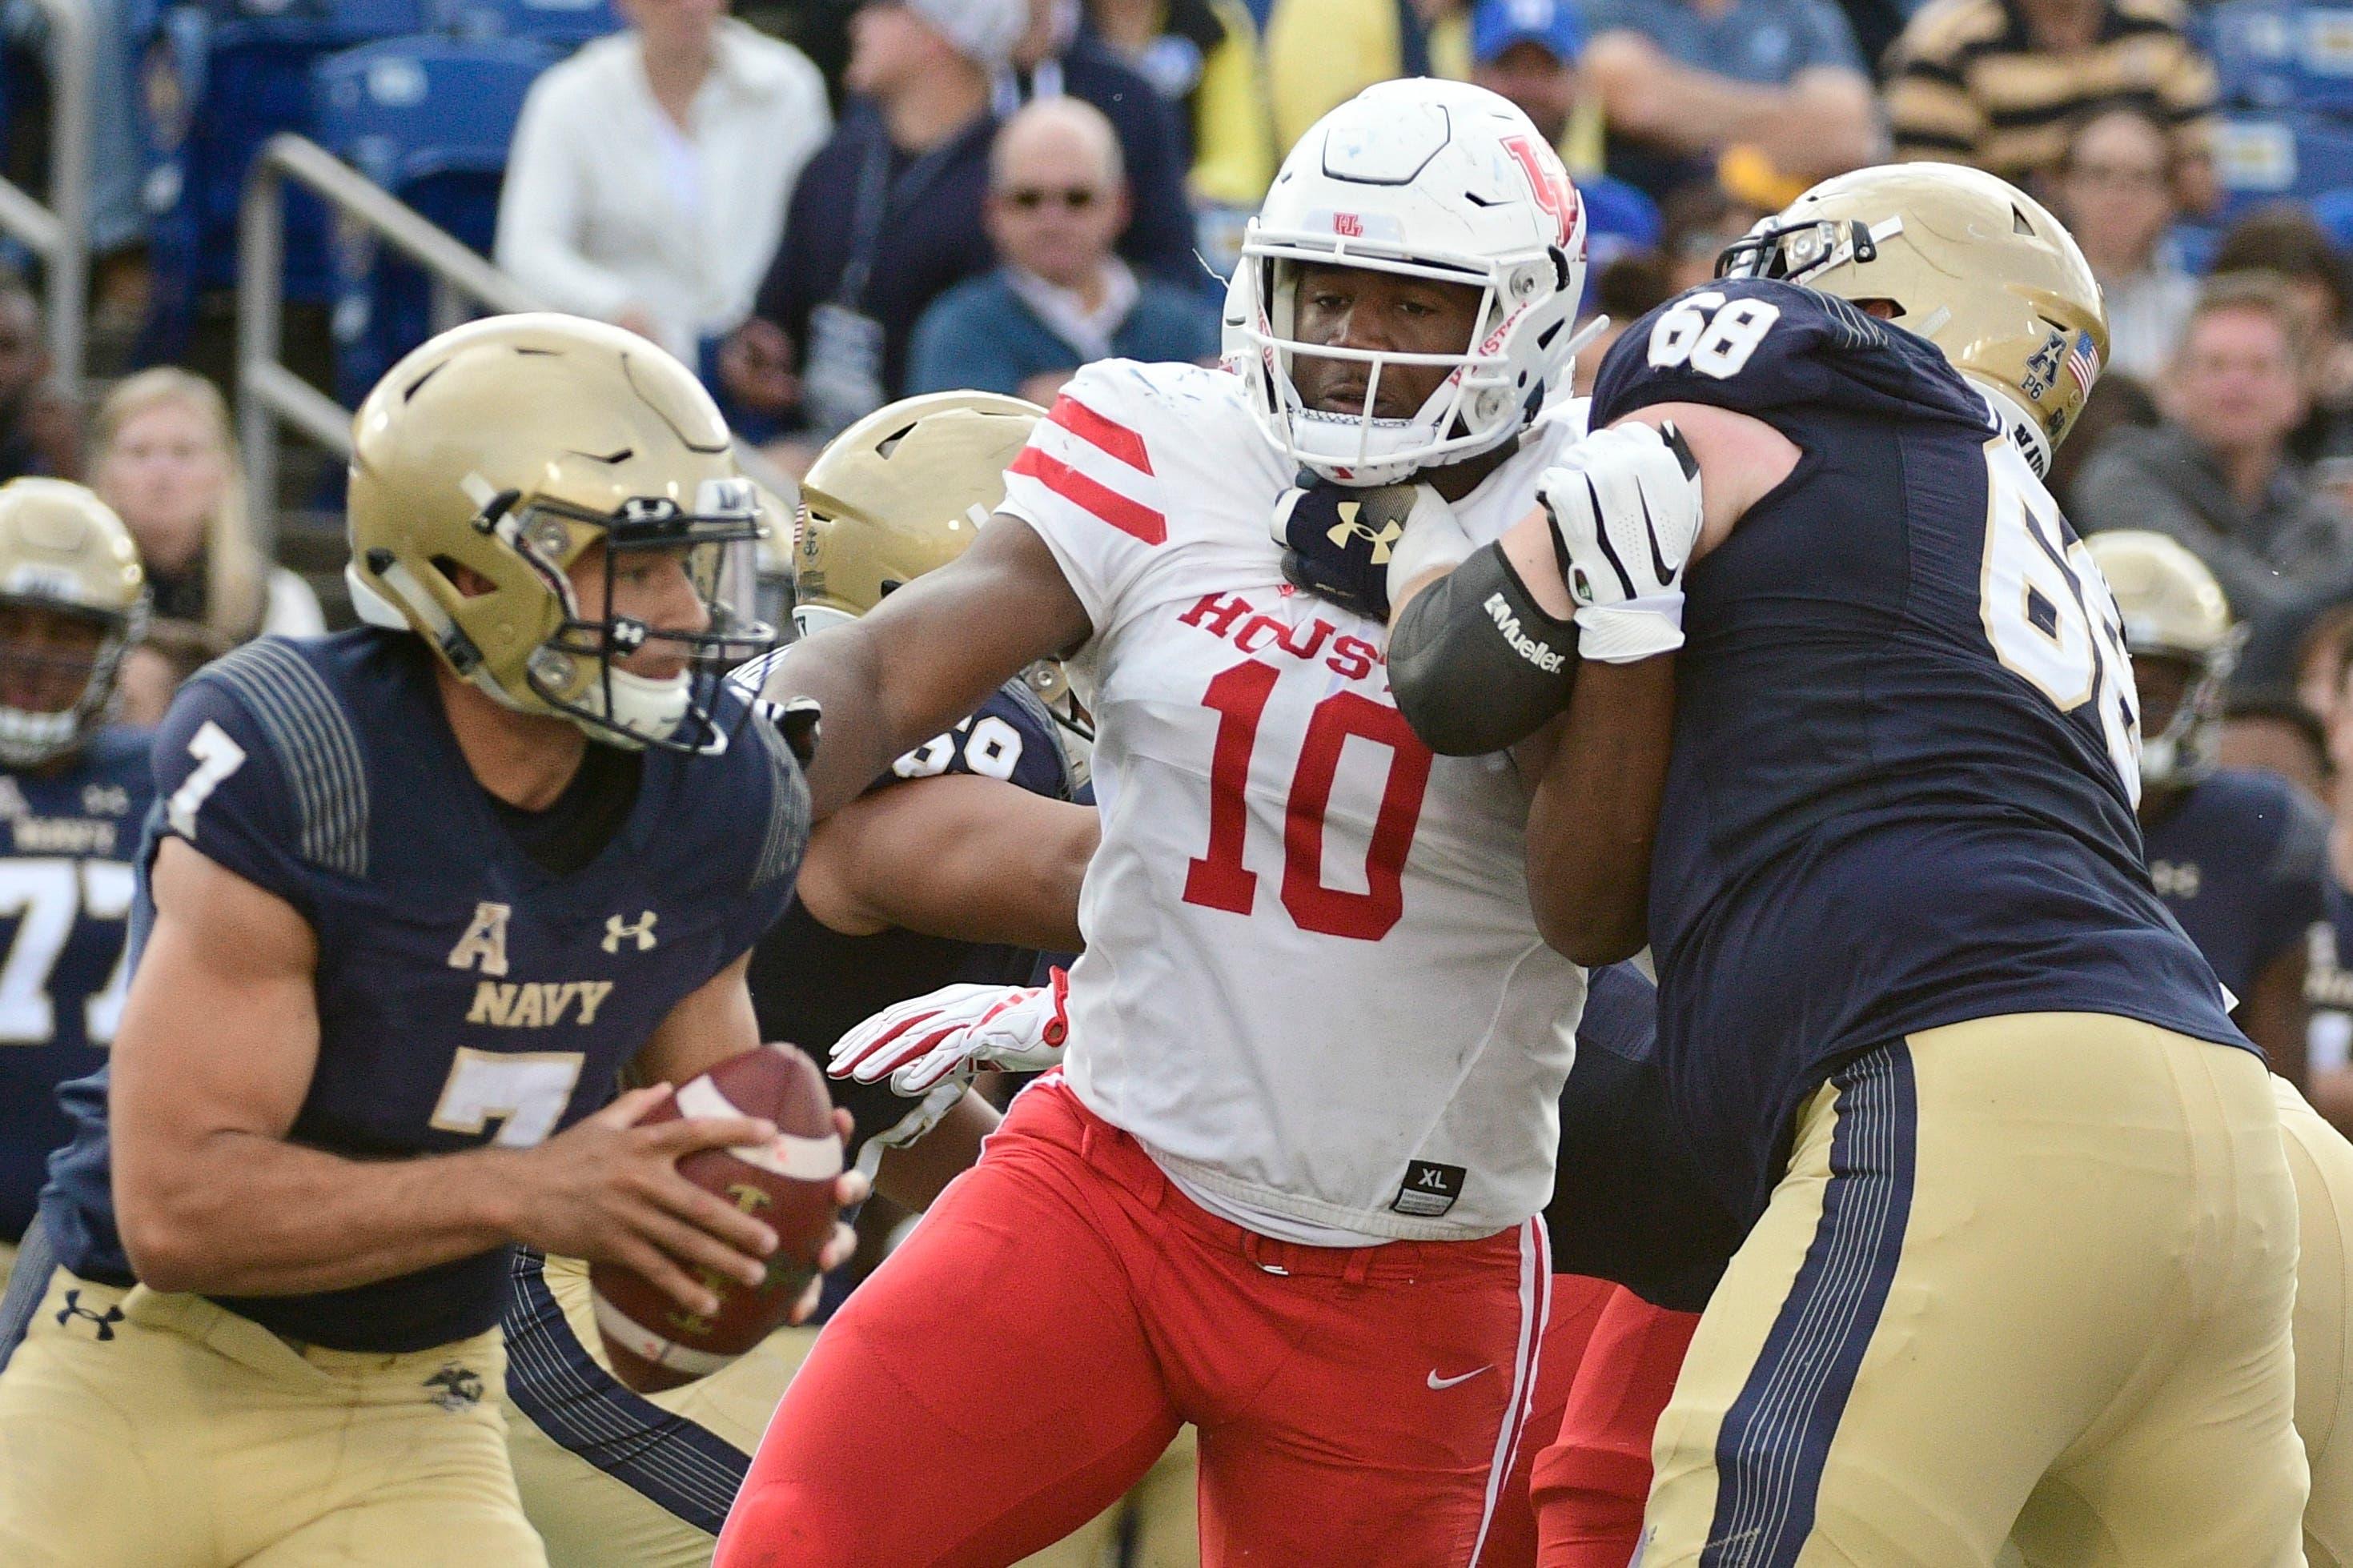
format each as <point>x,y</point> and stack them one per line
<point>463,579</point>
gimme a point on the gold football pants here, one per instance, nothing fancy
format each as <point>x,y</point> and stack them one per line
<point>166,1432</point>
<point>2034,1271</point>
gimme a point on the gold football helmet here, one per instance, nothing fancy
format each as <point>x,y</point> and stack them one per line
<point>898,494</point>
<point>903,492</point>
<point>1968,262</point>
<point>2173,610</point>
<point>506,450</point>
<point>62,550</point>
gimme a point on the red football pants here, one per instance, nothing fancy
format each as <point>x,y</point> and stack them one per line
<point>1576,1304</point>
<point>1589,1485</point>
<point>1029,1349</point>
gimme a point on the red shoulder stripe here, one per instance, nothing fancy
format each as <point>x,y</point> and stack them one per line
<point>1097,431</point>
<point>1129,517</point>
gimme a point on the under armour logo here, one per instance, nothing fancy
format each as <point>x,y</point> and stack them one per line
<point>105,1321</point>
<point>1352,526</point>
<point>455,1388</point>
<point>617,930</point>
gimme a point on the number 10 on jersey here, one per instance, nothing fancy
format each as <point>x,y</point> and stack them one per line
<point>1217,880</point>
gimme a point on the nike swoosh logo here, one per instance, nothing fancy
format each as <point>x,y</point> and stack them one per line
<point>1438,1381</point>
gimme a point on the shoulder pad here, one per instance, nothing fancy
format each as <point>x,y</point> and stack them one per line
<point>315,744</point>
<point>1755,345</point>
<point>786,834</point>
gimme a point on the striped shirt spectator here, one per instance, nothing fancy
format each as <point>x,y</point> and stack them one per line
<point>2000,83</point>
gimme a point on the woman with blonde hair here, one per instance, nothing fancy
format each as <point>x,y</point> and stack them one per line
<point>166,461</point>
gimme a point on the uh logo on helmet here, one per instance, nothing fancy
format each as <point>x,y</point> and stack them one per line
<point>491,461</point>
<point>1423,179</point>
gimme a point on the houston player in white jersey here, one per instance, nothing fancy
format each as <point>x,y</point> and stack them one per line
<point>1286,1187</point>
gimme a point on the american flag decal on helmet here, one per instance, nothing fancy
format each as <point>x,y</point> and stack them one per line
<point>2083,362</point>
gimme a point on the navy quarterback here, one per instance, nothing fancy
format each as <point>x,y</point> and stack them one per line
<point>417,894</point>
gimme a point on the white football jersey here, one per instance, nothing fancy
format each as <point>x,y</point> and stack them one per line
<point>1312,988</point>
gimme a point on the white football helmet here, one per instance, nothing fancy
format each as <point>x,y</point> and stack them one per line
<point>1429,179</point>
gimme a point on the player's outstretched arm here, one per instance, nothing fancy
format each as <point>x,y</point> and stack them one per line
<point>928,655</point>
<point>214,1055</point>
<point>977,859</point>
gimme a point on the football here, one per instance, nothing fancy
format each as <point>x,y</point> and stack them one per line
<point>653,1343</point>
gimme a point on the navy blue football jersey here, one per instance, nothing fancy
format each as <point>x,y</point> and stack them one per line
<point>1905,749</point>
<point>1629,1204</point>
<point>2328,984</point>
<point>2241,860</point>
<point>810,984</point>
<point>466,995</point>
<point>66,881</point>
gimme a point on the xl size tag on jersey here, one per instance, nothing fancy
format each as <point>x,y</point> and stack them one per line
<point>1428,1190</point>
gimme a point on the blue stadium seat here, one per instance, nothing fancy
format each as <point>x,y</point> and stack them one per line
<point>2280,55</point>
<point>2267,157</point>
<point>429,119</point>
<point>564,23</point>
<point>220,78</point>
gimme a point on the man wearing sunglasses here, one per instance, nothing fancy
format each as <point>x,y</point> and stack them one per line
<point>1062,298</point>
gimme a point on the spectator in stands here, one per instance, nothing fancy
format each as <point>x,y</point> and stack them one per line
<point>1768,92</point>
<point>1062,297</point>
<point>2283,238</point>
<point>172,651</point>
<point>1058,56</point>
<point>2116,193</point>
<point>650,172</point>
<point>1202,56</point>
<point>2117,402</point>
<point>1527,50</point>
<point>885,219</point>
<point>1997,83</point>
<point>1322,53</point>
<point>1696,222</point>
<point>166,462</point>
<point>2269,730</point>
<point>40,427</point>
<point>2216,475</point>
<point>114,209</point>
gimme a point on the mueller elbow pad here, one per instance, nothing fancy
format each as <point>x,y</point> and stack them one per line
<point>1475,665</point>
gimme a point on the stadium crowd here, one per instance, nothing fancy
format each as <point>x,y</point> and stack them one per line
<point>824,206</point>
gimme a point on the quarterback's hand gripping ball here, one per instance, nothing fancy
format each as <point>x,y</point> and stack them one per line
<point>1345,544</point>
<point>788,1182</point>
<point>1625,508</point>
<point>955,1032</point>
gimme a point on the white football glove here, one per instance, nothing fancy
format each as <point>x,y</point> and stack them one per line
<point>1625,509</point>
<point>955,1032</point>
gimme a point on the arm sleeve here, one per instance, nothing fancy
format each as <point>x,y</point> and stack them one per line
<point>1086,483</point>
<point>222,791</point>
<point>541,213</point>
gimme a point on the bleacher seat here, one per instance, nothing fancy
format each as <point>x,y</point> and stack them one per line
<point>2263,158</point>
<point>429,119</point>
<point>2279,55</point>
<point>221,76</point>
<point>564,23</point>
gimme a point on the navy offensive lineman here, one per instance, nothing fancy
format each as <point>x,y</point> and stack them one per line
<point>74,788</point>
<point>973,834</point>
<point>1920,1009</point>
<point>2239,855</point>
<point>413,899</point>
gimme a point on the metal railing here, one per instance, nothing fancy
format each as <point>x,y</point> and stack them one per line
<point>270,395</point>
<point>59,232</point>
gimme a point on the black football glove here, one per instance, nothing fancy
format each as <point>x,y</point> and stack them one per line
<point>1336,540</point>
